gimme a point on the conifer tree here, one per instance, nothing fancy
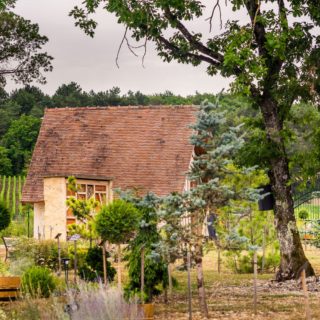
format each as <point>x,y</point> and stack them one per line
<point>184,214</point>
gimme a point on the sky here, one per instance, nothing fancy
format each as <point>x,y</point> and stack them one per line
<point>91,62</point>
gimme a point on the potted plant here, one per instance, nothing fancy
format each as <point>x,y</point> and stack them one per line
<point>116,223</point>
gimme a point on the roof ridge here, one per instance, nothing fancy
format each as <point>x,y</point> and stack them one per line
<point>122,107</point>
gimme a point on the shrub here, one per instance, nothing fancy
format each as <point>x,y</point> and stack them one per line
<point>46,254</point>
<point>303,214</point>
<point>20,266</point>
<point>5,216</point>
<point>243,263</point>
<point>43,253</point>
<point>3,269</point>
<point>117,221</point>
<point>92,269</point>
<point>38,282</point>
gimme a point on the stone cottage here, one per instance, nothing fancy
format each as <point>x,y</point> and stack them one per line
<point>146,148</point>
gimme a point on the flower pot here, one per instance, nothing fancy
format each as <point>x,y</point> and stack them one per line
<point>9,287</point>
<point>148,311</point>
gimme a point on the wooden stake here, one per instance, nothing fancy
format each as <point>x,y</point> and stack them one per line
<point>75,262</point>
<point>59,257</point>
<point>119,266</point>
<point>189,285</point>
<point>142,271</point>
<point>219,261</point>
<point>104,260</point>
<point>170,280</point>
<point>255,274</point>
<point>263,249</point>
<point>306,295</point>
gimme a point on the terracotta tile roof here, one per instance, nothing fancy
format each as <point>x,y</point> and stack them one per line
<point>143,147</point>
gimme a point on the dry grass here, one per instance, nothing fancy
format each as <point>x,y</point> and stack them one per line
<point>230,296</point>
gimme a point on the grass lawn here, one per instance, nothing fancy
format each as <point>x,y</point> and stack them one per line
<point>230,296</point>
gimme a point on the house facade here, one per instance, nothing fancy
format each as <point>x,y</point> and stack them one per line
<point>143,148</point>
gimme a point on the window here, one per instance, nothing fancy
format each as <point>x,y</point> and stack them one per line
<point>87,189</point>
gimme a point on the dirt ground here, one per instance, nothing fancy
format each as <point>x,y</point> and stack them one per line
<point>230,296</point>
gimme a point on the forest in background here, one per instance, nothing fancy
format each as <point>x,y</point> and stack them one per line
<point>22,109</point>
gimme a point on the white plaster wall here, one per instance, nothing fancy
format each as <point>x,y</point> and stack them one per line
<point>54,219</point>
<point>38,219</point>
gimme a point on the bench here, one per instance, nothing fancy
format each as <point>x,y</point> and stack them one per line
<point>10,287</point>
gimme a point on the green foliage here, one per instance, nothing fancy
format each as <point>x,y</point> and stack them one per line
<point>5,162</point>
<point>14,201</point>
<point>38,282</point>
<point>5,216</point>
<point>20,140</point>
<point>242,262</point>
<point>219,185</point>
<point>45,253</point>
<point>19,226</point>
<point>41,253</point>
<point>117,221</point>
<point>92,268</point>
<point>303,214</point>
<point>4,269</point>
<point>82,209</point>
<point>10,192</point>
<point>146,240</point>
<point>3,187</point>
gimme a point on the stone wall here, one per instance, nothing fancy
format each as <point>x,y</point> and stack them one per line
<point>54,217</point>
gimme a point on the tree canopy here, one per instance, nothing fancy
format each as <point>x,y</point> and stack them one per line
<point>117,221</point>
<point>21,57</point>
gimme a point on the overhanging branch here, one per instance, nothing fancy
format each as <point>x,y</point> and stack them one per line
<point>198,45</point>
<point>175,50</point>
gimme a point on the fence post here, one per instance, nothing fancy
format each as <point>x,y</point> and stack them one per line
<point>189,284</point>
<point>255,274</point>
<point>306,295</point>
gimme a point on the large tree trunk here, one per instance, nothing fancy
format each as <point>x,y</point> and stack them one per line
<point>291,251</point>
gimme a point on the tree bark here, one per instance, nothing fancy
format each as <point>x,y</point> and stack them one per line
<point>291,251</point>
<point>200,282</point>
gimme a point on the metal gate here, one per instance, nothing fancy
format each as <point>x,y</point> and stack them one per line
<point>311,203</point>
